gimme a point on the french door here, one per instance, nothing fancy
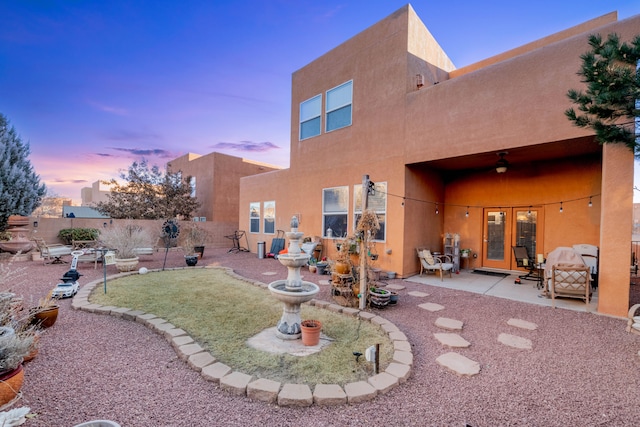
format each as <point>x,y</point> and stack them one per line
<point>507,227</point>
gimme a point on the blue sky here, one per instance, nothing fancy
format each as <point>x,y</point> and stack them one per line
<point>95,85</point>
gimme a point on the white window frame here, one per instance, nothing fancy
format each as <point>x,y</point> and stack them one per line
<point>379,208</point>
<point>269,215</point>
<point>325,213</point>
<point>329,108</point>
<point>311,116</point>
<point>254,207</point>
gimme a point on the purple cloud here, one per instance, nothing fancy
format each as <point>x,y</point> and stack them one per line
<point>247,146</point>
<point>158,152</point>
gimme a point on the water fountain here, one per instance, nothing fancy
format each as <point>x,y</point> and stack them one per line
<point>293,291</point>
<point>19,235</point>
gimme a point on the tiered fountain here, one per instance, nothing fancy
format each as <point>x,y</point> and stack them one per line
<point>293,291</point>
<point>19,235</point>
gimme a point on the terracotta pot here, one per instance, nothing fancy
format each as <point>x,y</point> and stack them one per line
<point>10,385</point>
<point>342,267</point>
<point>47,317</point>
<point>311,332</point>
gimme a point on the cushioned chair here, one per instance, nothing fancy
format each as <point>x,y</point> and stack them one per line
<point>431,263</point>
<point>633,324</point>
<point>524,260</point>
<point>589,254</point>
<point>570,280</point>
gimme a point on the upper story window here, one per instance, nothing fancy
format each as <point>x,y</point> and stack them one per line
<point>270,217</point>
<point>310,112</point>
<point>376,202</point>
<point>254,217</point>
<point>335,209</point>
<point>338,107</point>
<point>193,186</point>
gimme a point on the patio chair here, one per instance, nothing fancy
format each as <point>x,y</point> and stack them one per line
<point>523,260</point>
<point>633,324</point>
<point>236,237</point>
<point>434,263</point>
<point>570,280</point>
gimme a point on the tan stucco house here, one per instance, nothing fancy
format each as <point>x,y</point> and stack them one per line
<point>389,103</point>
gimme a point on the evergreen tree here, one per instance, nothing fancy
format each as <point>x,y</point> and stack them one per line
<point>20,189</point>
<point>149,194</point>
<point>610,105</point>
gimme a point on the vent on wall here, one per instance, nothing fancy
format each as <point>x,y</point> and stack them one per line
<point>419,80</point>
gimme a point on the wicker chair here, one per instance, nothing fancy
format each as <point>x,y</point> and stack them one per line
<point>633,324</point>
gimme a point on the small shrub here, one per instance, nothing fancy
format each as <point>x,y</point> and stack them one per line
<point>67,235</point>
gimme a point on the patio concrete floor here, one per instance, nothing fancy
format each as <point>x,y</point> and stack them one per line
<point>503,287</point>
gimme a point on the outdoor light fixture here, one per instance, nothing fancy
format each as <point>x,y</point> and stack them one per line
<point>35,224</point>
<point>502,163</point>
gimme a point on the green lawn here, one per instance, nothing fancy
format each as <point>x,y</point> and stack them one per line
<point>221,312</point>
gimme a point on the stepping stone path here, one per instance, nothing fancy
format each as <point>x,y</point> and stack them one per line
<point>395,287</point>
<point>452,340</point>
<point>515,341</point>
<point>522,324</point>
<point>324,282</point>
<point>449,324</point>
<point>269,273</point>
<point>429,306</point>
<point>459,364</point>
<point>418,294</point>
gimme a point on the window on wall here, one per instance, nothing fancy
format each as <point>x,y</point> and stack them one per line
<point>376,202</point>
<point>254,217</point>
<point>192,183</point>
<point>310,113</point>
<point>335,209</point>
<point>338,107</point>
<point>269,217</point>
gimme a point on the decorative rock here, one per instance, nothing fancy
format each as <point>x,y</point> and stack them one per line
<point>329,394</point>
<point>399,370</point>
<point>449,324</point>
<point>515,341</point>
<point>200,360</point>
<point>264,390</point>
<point>383,382</point>
<point>359,392</point>
<point>295,395</point>
<point>452,340</point>
<point>523,324</point>
<point>430,306</point>
<point>459,364</point>
<point>236,383</point>
<point>418,294</point>
<point>215,371</point>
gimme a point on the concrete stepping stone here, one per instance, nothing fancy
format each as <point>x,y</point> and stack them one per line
<point>418,294</point>
<point>430,306</point>
<point>324,282</point>
<point>395,287</point>
<point>449,324</point>
<point>515,341</point>
<point>459,364</point>
<point>269,273</point>
<point>522,324</point>
<point>452,340</point>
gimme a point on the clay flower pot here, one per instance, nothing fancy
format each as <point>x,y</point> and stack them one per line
<point>311,332</point>
<point>45,317</point>
<point>10,385</point>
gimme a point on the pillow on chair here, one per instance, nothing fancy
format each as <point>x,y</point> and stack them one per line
<point>426,254</point>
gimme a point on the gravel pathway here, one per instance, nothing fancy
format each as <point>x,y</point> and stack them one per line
<point>584,369</point>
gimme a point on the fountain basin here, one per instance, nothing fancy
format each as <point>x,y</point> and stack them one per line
<point>288,327</point>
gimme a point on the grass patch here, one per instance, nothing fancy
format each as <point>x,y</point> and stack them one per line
<point>221,313</point>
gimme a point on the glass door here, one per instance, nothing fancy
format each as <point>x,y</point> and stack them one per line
<point>527,231</point>
<point>496,237</point>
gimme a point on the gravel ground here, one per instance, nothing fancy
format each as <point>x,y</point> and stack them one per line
<point>584,369</point>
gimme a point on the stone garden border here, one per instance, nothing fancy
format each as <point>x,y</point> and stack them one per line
<point>263,389</point>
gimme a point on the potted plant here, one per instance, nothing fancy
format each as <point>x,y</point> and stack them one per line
<point>45,313</point>
<point>192,240</point>
<point>125,239</point>
<point>311,332</point>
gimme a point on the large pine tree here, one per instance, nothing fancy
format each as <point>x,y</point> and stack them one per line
<point>610,104</point>
<point>20,189</point>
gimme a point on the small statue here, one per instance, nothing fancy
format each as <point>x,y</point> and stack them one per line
<point>294,222</point>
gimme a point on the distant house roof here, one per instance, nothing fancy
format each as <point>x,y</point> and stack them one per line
<point>81,212</point>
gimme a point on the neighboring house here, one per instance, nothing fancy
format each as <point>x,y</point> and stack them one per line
<point>390,104</point>
<point>81,212</point>
<point>95,194</point>
<point>215,181</point>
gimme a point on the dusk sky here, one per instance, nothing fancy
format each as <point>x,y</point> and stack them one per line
<point>94,85</point>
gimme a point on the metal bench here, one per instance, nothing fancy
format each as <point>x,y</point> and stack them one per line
<point>53,253</point>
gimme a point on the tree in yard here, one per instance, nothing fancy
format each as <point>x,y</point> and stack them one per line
<point>610,105</point>
<point>149,194</point>
<point>20,188</point>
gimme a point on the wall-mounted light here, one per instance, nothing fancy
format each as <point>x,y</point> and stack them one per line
<point>104,225</point>
<point>35,224</point>
<point>419,80</point>
<point>502,163</point>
